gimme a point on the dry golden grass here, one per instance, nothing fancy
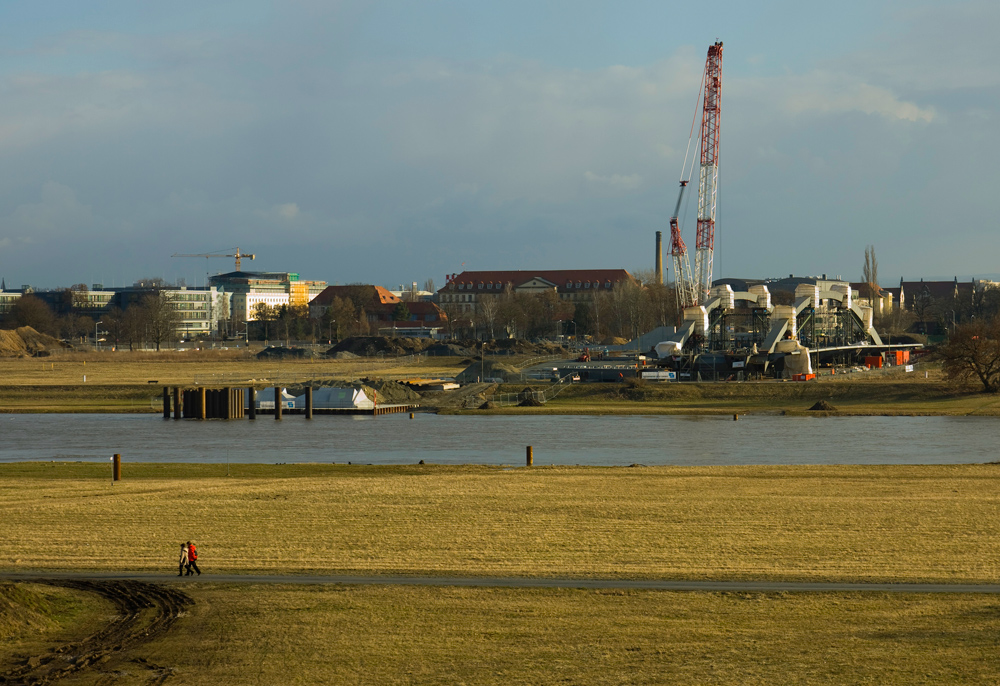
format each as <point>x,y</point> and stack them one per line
<point>327,634</point>
<point>851,523</point>
<point>407,635</point>
<point>177,368</point>
<point>34,617</point>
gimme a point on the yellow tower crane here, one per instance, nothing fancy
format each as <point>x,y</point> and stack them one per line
<point>219,253</point>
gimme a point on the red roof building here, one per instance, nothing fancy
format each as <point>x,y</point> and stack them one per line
<point>380,305</point>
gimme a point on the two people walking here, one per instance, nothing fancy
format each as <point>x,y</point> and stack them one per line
<point>189,560</point>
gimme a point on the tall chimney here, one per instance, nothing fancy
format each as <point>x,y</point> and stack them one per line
<point>659,257</point>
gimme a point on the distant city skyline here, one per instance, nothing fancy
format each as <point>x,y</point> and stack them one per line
<point>391,142</point>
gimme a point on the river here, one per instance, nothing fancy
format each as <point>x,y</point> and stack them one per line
<point>501,440</point>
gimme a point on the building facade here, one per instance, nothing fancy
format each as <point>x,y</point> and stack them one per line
<point>247,290</point>
<point>463,291</point>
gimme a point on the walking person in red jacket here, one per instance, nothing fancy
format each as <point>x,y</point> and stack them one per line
<point>192,562</point>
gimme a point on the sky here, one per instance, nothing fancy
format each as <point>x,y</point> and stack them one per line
<point>400,141</point>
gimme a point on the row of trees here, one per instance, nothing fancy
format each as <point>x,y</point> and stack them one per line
<point>151,320</point>
<point>625,311</point>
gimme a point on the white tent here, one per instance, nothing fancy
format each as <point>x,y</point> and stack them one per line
<point>337,398</point>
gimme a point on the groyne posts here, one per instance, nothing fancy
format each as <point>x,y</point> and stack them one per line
<point>529,457</point>
<point>252,395</point>
<point>166,403</point>
<point>277,403</point>
<point>309,402</point>
<point>208,403</point>
<point>117,469</point>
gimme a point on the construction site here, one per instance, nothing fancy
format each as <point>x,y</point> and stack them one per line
<point>743,333</point>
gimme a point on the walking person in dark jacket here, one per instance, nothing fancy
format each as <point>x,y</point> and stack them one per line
<point>192,562</point>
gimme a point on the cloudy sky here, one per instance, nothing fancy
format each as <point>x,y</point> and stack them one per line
<point>390,142</point>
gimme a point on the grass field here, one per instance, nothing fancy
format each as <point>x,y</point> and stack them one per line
<point>251,634</point>
<point>907,523</point>
<point>849,523</point>
<point>407,635</point>
<point>926,523</point>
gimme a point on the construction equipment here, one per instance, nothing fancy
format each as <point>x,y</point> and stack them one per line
<point>684,287</point>
<point>219,253</point>
<point>692,290</point>
<point>709,178</point>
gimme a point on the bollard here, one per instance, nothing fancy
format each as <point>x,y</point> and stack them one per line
<point>118,467</point>
<point>529,457</point>
<point>736,418</point>
<point>202,403</point>
<point>252,402</point>
<point>411,415</point>
<point>309,402</point>
<point>166,403</point>
<point>177,402</point>
<point>277,403</point>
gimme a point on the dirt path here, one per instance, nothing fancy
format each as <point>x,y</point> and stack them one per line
<point>144,612</point>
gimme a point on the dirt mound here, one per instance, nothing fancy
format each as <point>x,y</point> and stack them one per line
<point>823,405</point>
<point>373,345</point>
<point>143,612</point>
<point>391,391</point>
<point>488,405</point>
<point>343,355</point>
<point>25,341</point>
<point>512,346</point>
<point>281,353</point>
<point>529,402</point>
<point>450,349</point>
<point>488,369</point>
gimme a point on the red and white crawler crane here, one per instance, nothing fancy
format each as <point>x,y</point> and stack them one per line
<point>693,290</point>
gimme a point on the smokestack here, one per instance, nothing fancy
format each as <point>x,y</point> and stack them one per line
<point>659,257</point>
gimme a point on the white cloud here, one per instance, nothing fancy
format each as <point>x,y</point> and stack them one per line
<point>838,93</point>
<point>288,210</point>
<point>618,182</point>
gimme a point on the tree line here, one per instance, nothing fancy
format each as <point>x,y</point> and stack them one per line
<point>625,311</point>
<point>152,319</point>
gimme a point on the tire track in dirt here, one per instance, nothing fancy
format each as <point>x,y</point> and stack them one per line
<point>144,612</point>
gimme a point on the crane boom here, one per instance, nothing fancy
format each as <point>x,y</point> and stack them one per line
<point>236,253</point>
<point>684,289</point>
<point>709,175</point>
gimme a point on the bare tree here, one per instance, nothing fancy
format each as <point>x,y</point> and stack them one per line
<point>973,353</point>
<point>133,325</point>
<point>114,324</point>
<point>161,317</point>
<point>488,308</point>
<point>869,275</point>
<point>429,285</point>
<point>264,313</point>
<point>30,310</point>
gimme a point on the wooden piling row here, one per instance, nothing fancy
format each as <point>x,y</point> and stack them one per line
<point>236,403</point>
<point>212,403</point>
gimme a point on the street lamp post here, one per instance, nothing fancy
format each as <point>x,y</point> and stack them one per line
<point>97,342</point>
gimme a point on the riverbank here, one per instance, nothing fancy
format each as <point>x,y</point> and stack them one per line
<point>120,383</point>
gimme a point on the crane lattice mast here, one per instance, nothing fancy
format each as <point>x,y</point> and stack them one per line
<point>684,287</point>
<point>709,176</point>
